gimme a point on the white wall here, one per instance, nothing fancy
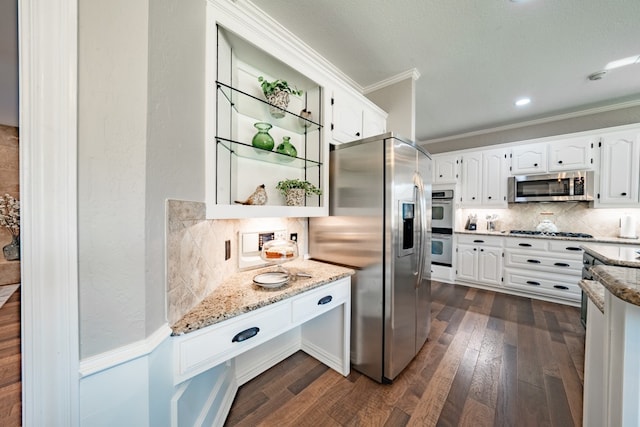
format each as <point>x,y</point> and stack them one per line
<point>175,144</point>
<point>112,134</point>
<point>399,101</point>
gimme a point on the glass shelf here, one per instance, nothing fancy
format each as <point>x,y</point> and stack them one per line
<point>250,152</point>
<point>257,108</point>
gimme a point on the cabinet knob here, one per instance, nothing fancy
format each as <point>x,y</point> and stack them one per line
<point>481,250</point>
<point>559,162</point>
<point>475,249</point>
<point>473,198</point>
<point>535,165</point>
<point>623,194</point>
<point>440,176</point>
<point>489,197</point>
<point>357,133</point>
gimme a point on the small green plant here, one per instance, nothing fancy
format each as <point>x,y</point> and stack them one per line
<point>272,87</point>
<point>288,184</point>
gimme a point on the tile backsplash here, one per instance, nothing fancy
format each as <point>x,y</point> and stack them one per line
<point>195,251</point>
<point>575,217</point>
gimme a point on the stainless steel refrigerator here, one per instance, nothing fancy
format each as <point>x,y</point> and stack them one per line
<point>379,224</point>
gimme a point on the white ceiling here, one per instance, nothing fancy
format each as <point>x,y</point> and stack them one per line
<point>476,57</point>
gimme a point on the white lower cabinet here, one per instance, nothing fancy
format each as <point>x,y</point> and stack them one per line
<point>214,361</point>
<point>479,259</point>
<point>549,268</point>
<point>593,407</point>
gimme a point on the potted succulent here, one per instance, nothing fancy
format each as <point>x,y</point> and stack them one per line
<point>294,191</point>
<point>277,94</point>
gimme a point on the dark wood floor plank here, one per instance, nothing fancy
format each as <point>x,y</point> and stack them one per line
<point>476,414</point>
<point>511,371</point>
<point>398,418</point>
<point>532,406</point>
<point>506,402</point>
<point>484,385</point>
<point>454,404</point>
<point>570,379</point>
<point>559,411</point>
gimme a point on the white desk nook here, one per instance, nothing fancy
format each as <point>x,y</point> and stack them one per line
<point>242,329</point>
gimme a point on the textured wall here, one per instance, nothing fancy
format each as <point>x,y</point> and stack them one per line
<point>112,132</point>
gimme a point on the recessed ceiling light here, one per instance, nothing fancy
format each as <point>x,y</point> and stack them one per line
<point>522,102</point>
<point>622,62</point>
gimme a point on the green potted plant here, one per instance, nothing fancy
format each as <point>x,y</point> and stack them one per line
<point>277,94</point>
<point>294,191</point>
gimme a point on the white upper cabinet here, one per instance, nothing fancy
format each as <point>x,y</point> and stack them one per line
<point>529,159</point>
<point>471,189</point>
<point>484,178</point>
<point>571,154</point>
<point>445,169</point>
<point>619,169</point>
<point>494,177</point>
<point>353,118</point>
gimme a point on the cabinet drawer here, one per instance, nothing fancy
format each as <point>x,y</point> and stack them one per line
<point>567,248</point>
<point>221,342</point>
<point>544,262</point>
<point>532,244</point>
<point>469,239</point>
<point>543,284</point>
<point>318,301</point>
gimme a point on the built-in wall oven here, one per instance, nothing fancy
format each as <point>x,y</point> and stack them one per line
<point>442,227</point>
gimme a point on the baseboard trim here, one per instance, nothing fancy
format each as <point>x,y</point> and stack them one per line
<point>112,358</point>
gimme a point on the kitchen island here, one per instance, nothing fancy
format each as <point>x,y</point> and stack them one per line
<point>242,329</point>
<point>612,345</point>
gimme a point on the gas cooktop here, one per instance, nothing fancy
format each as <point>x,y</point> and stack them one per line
<point>556,234</point>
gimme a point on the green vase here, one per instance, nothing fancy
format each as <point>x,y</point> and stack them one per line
<point>262,139</point>
<point>286,147</point>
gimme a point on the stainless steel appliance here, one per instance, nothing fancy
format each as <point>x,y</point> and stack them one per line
<point>442,227</point>
<point>442,209</point>
<point>380,209</point>
<point>557,187</point>
<point>442,248</point>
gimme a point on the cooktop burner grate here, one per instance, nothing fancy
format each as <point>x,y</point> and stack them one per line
<point>556,234</point>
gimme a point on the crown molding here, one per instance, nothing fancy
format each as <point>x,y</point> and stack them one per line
<point>573,115</point>
<point>413,74</point>
<point>247,14</point>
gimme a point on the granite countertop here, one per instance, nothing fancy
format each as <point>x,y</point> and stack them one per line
<point>238,294</point>
<point>595,292</point>
<point>623,282</point>
<point>595,239</point>
<point>623,256</point>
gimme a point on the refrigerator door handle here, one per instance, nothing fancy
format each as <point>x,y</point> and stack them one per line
<point>420,201</point>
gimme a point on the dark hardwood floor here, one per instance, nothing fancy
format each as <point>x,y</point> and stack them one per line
<point>10,369</point>
<point>491,360</point>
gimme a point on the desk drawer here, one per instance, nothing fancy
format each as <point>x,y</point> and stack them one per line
<point>232,337</point>
<point>319,301</point>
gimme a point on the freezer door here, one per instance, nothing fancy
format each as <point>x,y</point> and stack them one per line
<point>402,256</point>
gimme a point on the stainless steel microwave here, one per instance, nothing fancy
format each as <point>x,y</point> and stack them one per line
<point>557,187</point>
